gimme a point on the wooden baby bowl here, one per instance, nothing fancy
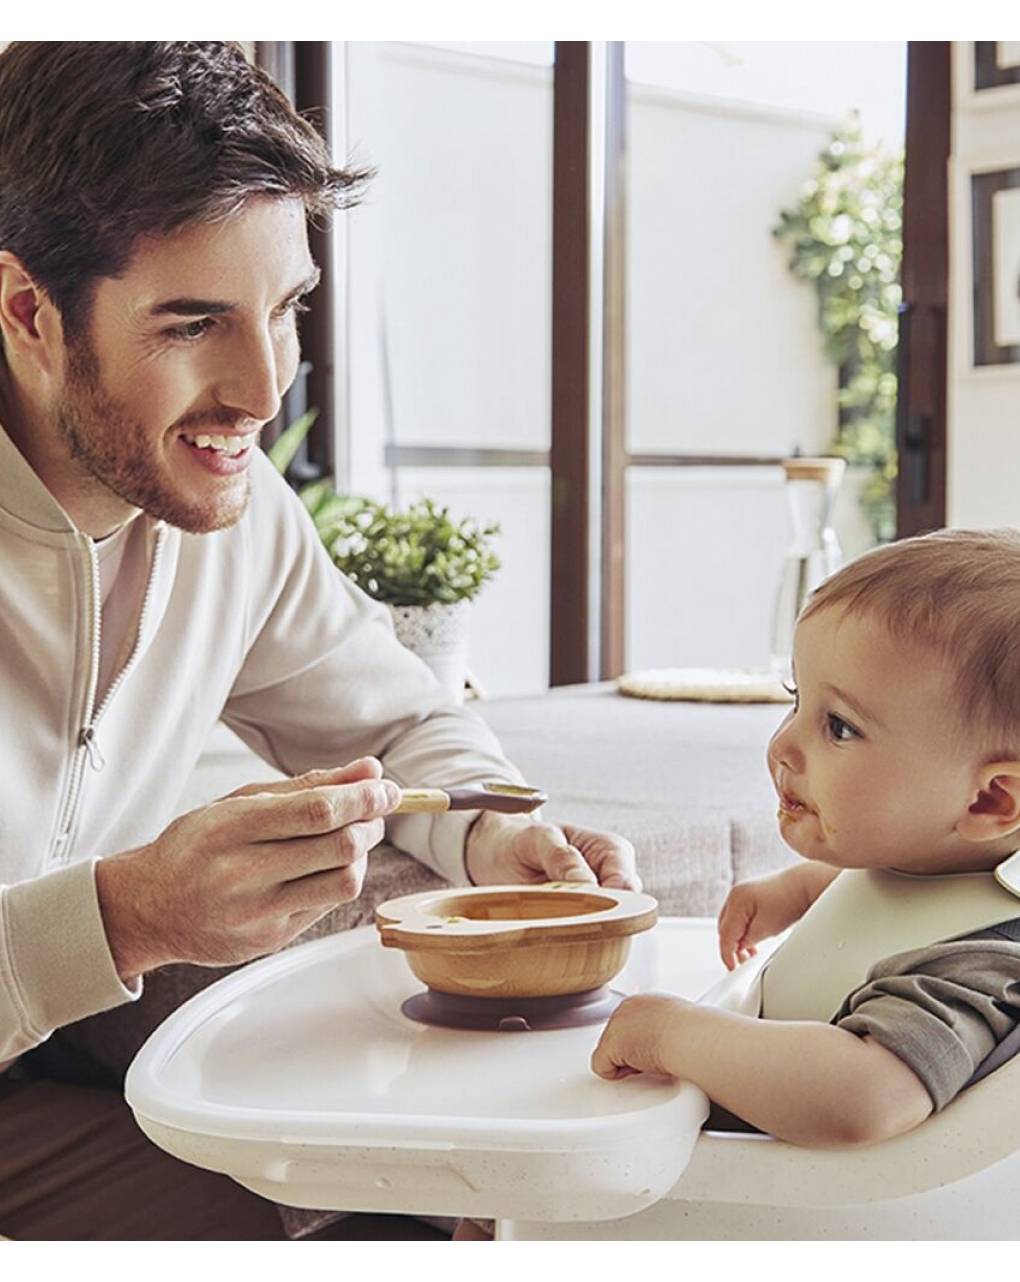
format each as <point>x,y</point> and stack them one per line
<point>516,941</point>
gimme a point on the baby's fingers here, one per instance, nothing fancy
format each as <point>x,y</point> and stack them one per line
<point>604,1063</point>
<point>612,1058</point>
<point>734,925</point>
<point>607,1061</point>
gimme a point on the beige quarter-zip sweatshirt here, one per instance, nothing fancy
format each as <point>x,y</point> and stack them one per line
<point>253,624</point>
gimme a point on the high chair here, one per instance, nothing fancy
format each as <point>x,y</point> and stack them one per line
<point>953,1177</point>
<point>299,1077</point>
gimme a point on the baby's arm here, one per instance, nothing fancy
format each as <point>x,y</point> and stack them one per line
<point>758,909</point>
<point>809,1083</point>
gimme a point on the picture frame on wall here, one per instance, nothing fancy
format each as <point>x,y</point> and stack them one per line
<point>996,64</point>
<point>995,238</point>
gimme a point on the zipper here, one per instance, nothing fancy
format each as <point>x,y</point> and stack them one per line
<point>88,733</point>
<point>87,749</point>
<point>70,808</point>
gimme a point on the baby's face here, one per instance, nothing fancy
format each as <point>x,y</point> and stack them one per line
<point>868,766</point>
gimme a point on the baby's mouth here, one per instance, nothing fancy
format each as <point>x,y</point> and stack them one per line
<point>792,808</point>
<point>789,805</point>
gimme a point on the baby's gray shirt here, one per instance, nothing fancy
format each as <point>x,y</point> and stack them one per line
<point>950,1011</point>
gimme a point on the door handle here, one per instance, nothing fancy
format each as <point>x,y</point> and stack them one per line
<point>916,456</point>
<point>914,430</point>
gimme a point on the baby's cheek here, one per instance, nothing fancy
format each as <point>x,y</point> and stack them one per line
<point>829,827</point>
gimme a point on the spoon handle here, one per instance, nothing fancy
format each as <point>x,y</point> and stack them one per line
<point>514,801</point>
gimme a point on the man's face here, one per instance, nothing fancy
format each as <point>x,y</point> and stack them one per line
<point>185,358</point>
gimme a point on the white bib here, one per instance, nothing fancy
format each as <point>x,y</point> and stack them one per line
<point>864,916</point>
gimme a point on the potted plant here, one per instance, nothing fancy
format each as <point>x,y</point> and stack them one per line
<point>424,564</point>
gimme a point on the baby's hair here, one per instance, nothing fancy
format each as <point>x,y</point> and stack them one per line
<point>957,591</point>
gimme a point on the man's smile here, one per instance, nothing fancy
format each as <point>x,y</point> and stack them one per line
<point>231,444</point>
<point>221,455</point>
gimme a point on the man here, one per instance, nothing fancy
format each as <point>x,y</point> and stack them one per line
<point>157,575</point>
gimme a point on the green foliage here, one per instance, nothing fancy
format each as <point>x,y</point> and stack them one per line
<point>845,236</point>
<point>281,452</point>
<point>414,557</point>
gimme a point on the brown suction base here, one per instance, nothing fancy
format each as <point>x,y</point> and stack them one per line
<point>512,1014</point>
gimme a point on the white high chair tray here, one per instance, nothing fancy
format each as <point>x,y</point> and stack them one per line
<point>300,1077</point>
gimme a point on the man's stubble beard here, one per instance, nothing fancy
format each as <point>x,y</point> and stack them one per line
<point>118,455</point>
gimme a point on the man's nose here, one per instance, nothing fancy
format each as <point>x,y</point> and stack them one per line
<point>784,747</point>
<point>251,383</point>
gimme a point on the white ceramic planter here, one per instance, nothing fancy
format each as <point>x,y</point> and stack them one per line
<point>438,634</point>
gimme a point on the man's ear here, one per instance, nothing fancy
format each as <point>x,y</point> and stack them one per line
<point>29,323</point>
<point>995,810</point>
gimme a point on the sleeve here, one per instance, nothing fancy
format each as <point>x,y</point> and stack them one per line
<point>61,973</point>
<point>324,681</point>
<point>943,1010</point>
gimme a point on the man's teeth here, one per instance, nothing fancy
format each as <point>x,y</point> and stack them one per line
<point>225,444</point>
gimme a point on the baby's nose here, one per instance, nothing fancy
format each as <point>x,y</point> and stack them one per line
<point>783,750</point>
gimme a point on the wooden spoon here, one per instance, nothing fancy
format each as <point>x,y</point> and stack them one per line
<point>508,798</point>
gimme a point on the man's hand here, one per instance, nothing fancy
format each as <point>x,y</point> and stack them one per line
<point>504,849</point>
<point>242,876</point>
<point>759,909</point>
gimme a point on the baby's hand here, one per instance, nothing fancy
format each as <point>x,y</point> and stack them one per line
<point>757,910</point>
<point>637,1037</point>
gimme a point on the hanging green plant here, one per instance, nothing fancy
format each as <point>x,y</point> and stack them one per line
<point>845,236</point>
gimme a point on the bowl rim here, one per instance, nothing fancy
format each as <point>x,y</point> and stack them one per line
<point>412,923</point>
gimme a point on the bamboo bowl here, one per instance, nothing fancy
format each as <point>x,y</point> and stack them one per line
<point>516,941</point>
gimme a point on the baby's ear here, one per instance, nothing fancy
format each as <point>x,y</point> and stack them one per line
<point>995,810</point>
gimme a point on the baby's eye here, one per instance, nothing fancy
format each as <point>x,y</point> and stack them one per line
<point>790,688</point>
<point>839,730</point>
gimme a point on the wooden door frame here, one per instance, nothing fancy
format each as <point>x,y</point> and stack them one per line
<point>303,70</point>
<point>587,456</point>
<point>922,359</point>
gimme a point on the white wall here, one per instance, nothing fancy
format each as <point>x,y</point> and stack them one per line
<point>457,258</point>
<point>724,352</point>
<point>823,76</point>
<point>984,403</point>
<point>724,356</point>
<point>449,320</point>
<point>705,547</point>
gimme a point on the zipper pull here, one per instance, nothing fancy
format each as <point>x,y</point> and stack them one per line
<point>87,739</point>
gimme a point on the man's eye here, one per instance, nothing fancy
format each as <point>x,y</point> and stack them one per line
<point>191,331</point>
<point>839,730</point>
<point>294,308</point>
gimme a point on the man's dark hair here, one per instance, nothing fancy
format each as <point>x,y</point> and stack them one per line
<point>102,142</point>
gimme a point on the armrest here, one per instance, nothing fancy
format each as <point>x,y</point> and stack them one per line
<point>979,1128</point>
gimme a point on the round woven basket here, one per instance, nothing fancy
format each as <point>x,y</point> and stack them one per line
<point>706,685</point>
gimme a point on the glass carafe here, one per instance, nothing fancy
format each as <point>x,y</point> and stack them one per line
<point>813,553</point>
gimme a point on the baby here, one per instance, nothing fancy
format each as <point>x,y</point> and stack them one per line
<point>901,753</point>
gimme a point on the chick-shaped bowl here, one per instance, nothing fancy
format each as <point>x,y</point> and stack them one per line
<point>516,941</point>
